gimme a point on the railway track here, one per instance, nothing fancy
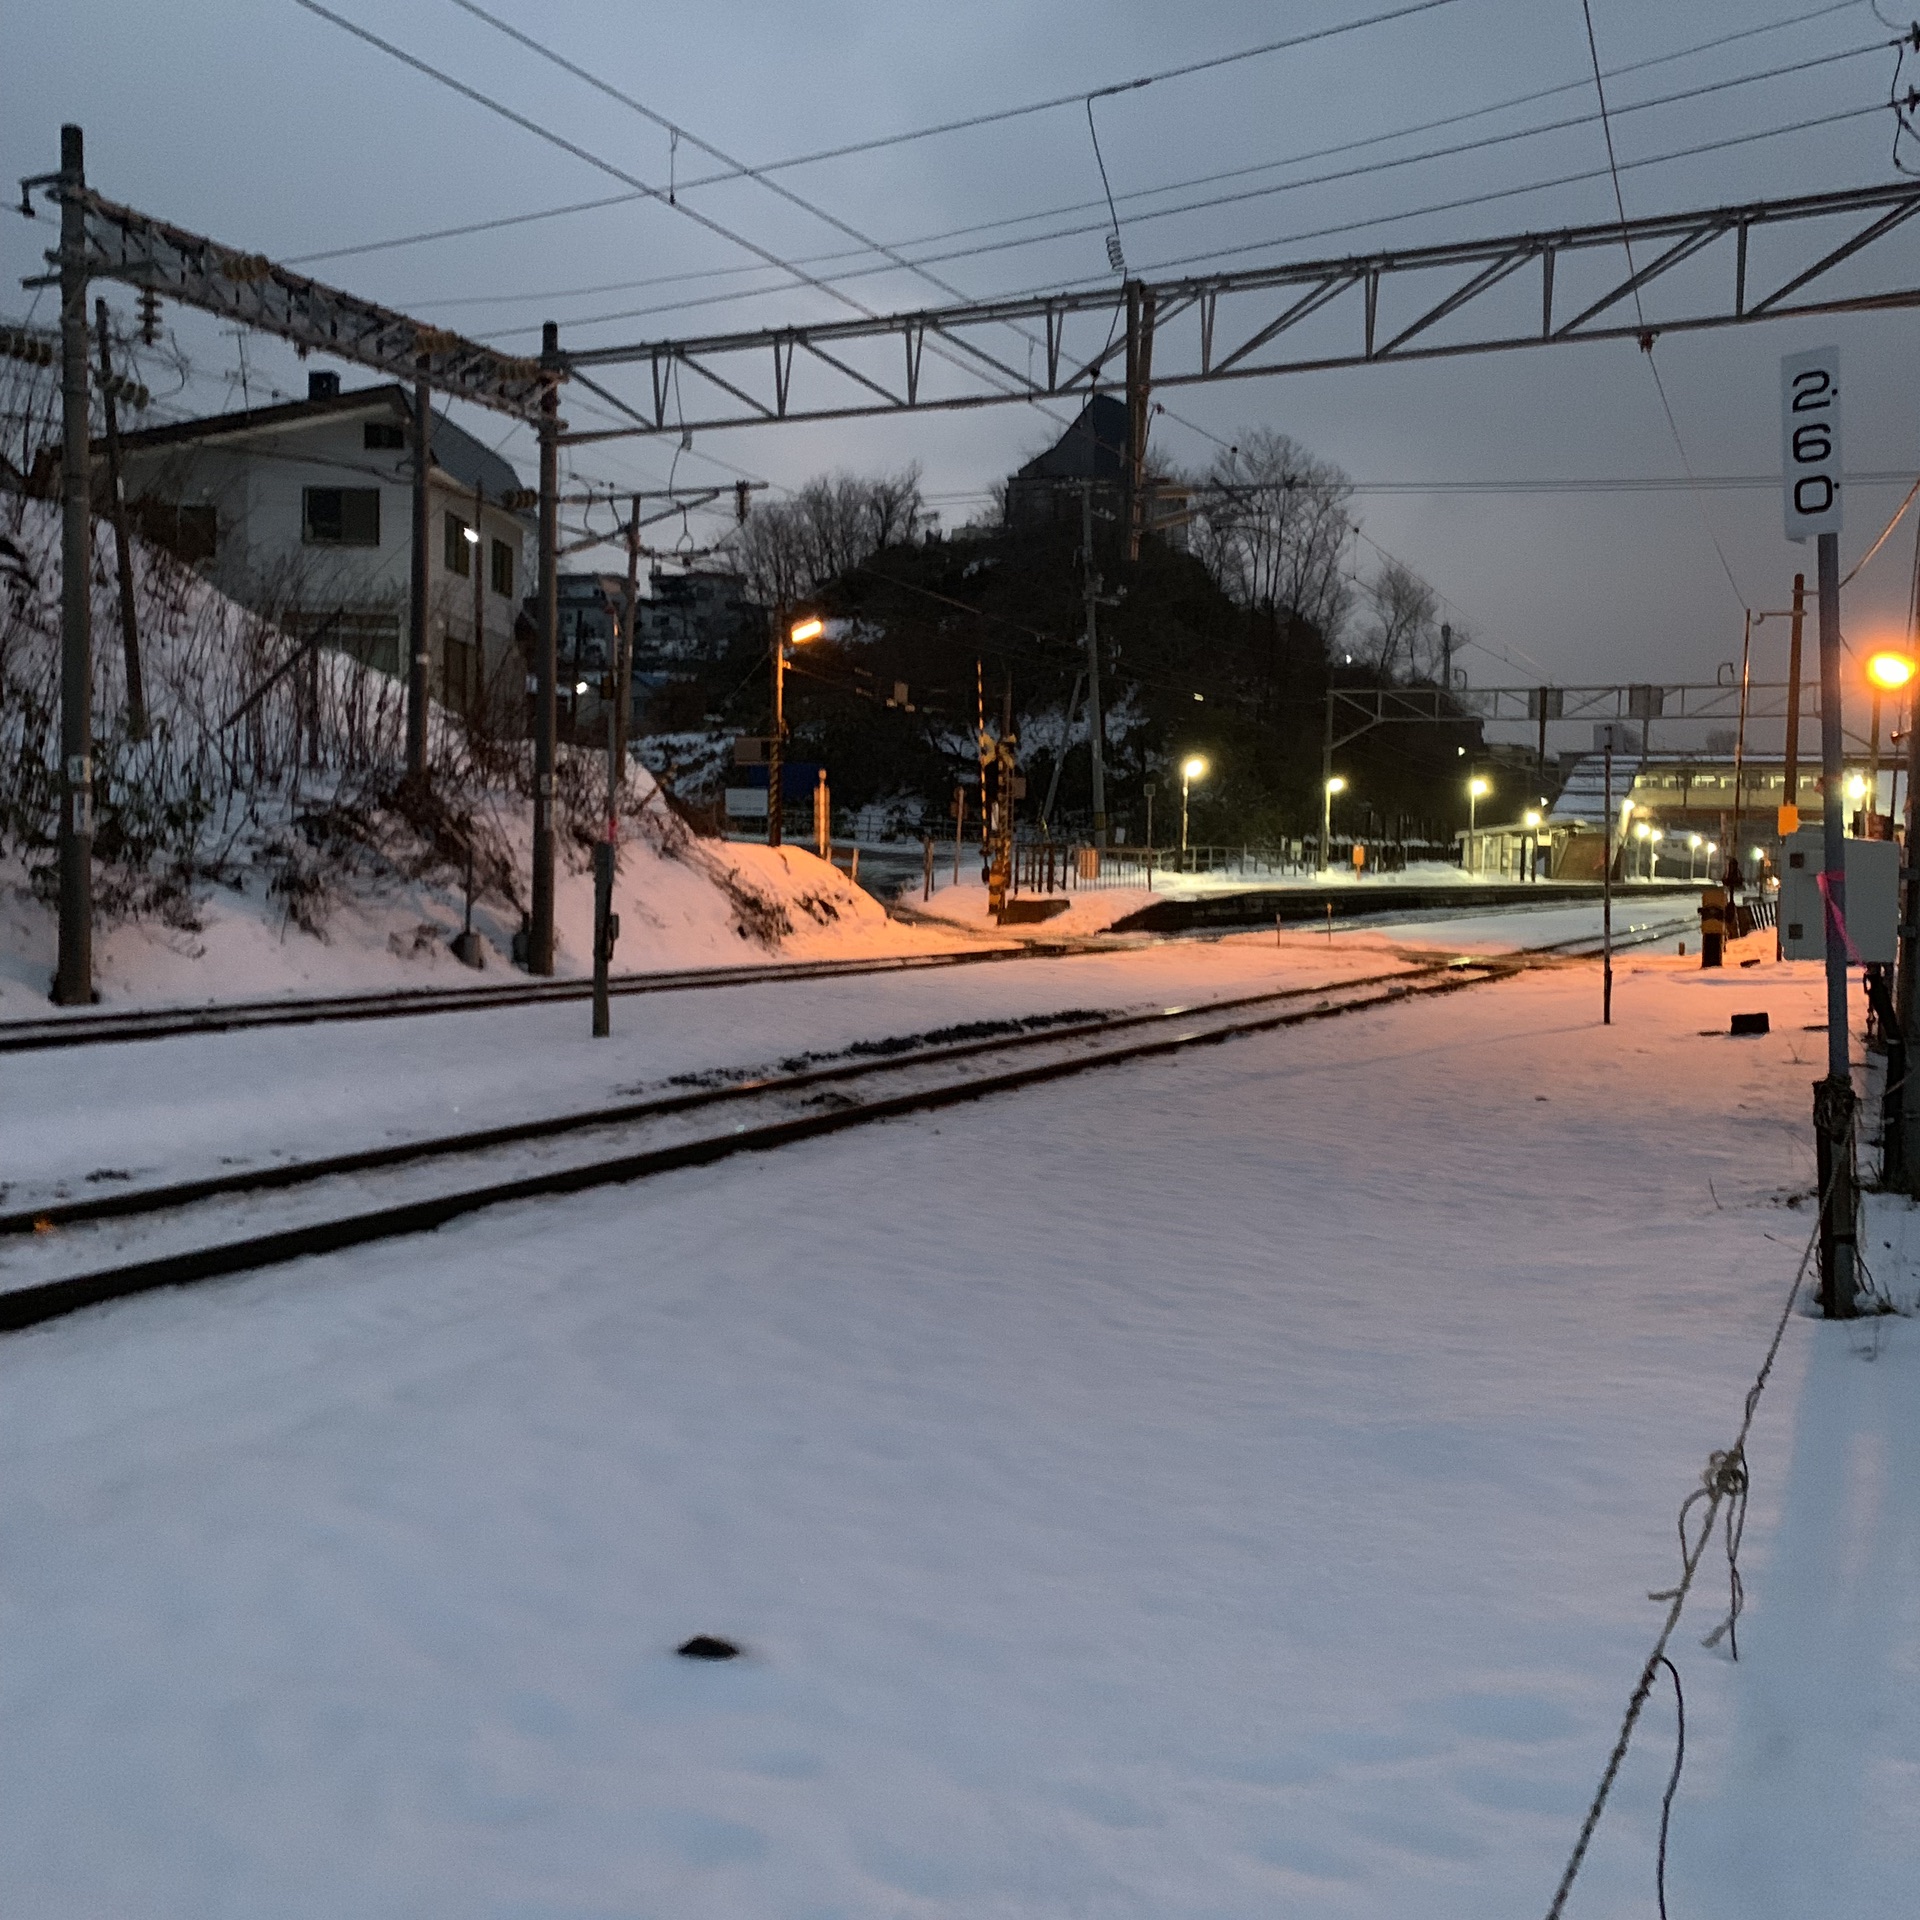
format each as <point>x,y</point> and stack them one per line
<point>61,1257</point>
<point>99,1029</point>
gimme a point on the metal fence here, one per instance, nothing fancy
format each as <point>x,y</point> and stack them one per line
<point>1055,866</point>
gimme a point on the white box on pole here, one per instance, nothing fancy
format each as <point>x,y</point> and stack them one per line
<point>1873,899</point>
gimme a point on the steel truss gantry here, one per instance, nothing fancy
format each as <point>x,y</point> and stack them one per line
<point>1770,260</point>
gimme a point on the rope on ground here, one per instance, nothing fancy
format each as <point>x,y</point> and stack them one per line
<point>1723,1483</point>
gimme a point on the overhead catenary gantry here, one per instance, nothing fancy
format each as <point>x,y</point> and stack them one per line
<point>103,240</point>
<point>1719,267</point>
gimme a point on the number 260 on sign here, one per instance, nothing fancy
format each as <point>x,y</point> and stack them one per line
<point>1810,441</point>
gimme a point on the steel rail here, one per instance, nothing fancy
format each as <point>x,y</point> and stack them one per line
<point>93,1029</point>
<point>38,1302</point>
<point>131,1202</point>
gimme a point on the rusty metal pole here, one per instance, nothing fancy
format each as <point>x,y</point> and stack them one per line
<point>73,977</point>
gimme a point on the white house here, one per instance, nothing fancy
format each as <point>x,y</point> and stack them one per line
<point>305,512</point>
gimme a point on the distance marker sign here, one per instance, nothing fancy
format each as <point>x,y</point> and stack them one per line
<point>1810,441</point>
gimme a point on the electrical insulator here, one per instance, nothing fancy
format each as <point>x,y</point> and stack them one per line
<point>1115,257</point>
<point>149,317</point>
<point>741,492</point>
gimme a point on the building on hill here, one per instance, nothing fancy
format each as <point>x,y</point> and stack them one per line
<point>693,618</point>
<point>304,511</point>
<point>1094,451</point>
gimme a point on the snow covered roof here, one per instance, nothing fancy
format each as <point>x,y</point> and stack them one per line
<point>456,452</point>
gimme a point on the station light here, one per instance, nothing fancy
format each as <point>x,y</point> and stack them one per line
<point>1889,669</point>
<point>1531,818</point>
<point>1479,787</point>
<point>1336,785</point>
<point>1193,768</point>
<point>1856,786</point>
<point>810,628</point>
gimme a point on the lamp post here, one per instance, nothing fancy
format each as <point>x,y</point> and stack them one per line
<point>800,632</point>
<point>1531,821</point>
<point>1477,790</point>
<point>1328,789</point>
<point>1191,769</point>
<point>1887,671</point>
<point>1693,856</point>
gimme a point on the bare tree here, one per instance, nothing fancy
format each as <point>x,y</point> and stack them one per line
<point>1401,631</point>
<point>833,524</point>
<point>1273,525</point>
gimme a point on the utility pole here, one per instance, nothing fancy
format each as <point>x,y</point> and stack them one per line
<point>1789,821</point>
<point>117,509</point>
<point>417,684</point>
<point>480,550</point>
<point>1446,658</point>
<point>1095,717</point>
<point>1735,876</point>
<point>774,822</point>
<point>1833,1103</point>
<point>1811,503</point>
<point>546,663</point>
<point>1606,880</point>
<point>73,979</point>
<point>1140,315</point>
<point>1326,785</point>
<point>629,628</point>
<point>1903,1168</point>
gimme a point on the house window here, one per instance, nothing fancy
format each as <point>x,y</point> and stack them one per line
<point>384,436</point>
<point>459,545</point>
<point>189,533</point>
<point>502,581</point>
<point>340,516</point>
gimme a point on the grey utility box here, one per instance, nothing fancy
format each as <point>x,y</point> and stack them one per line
<point>1873,898</point>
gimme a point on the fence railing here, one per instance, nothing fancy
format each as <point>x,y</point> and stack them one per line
<point>1055,866</point>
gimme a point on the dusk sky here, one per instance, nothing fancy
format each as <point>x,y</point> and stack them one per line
<point>273,129</point>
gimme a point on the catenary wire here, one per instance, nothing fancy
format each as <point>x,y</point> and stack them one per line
<point>501,221</point>
<point>896,256</point>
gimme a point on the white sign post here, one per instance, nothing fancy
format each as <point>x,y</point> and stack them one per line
<point>1810,442</point>
<point>1810,484</point>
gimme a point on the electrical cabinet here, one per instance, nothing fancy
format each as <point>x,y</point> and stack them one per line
<point>1873,898</point>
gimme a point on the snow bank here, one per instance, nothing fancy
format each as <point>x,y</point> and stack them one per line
<point>274,855</point>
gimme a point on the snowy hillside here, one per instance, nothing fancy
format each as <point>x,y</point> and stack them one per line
<point>275,853</point>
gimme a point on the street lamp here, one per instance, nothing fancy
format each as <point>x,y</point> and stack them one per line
<point>1693,856</point>
<point>1477,790</point>
<point>1531,821</point>
<point>1191,769</point>
<point>1888,671</point>
<point>801,631</point>
<point>1333,786</point>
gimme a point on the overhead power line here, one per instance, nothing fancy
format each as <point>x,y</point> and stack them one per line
<point>895,252</point>
<point>499,222</point>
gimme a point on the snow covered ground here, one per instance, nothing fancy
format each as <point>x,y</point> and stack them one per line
<point>1094,910</point>
<point>1225,1485</point>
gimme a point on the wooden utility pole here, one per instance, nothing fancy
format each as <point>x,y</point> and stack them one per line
<point>1606,881</point>
<point>475,692</point>
<point>73,978</point>
<point>779,724</point>
<point>117,510</point>
<point>1902,1163</point>
<point>546,659</point>
<point>1140,315</point>
<point>629,632</point>
<point>418,688</point>
<point>1789,820</point>
<point>1096,718</point>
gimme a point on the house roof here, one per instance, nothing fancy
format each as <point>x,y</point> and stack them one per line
<point>465,460</point>
<point>1093,448</point>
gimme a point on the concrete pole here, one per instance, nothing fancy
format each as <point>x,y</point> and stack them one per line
<point>1833,1097</point>
<point>774,741</point>
<point>480,551</point>
<point>1326,786</point>
<point>629,631</point>
<point>418,689</point>
<point>1903,1168</point>
<point>546,663</point>
<point>1096,717</point>
<point>73,977</point>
